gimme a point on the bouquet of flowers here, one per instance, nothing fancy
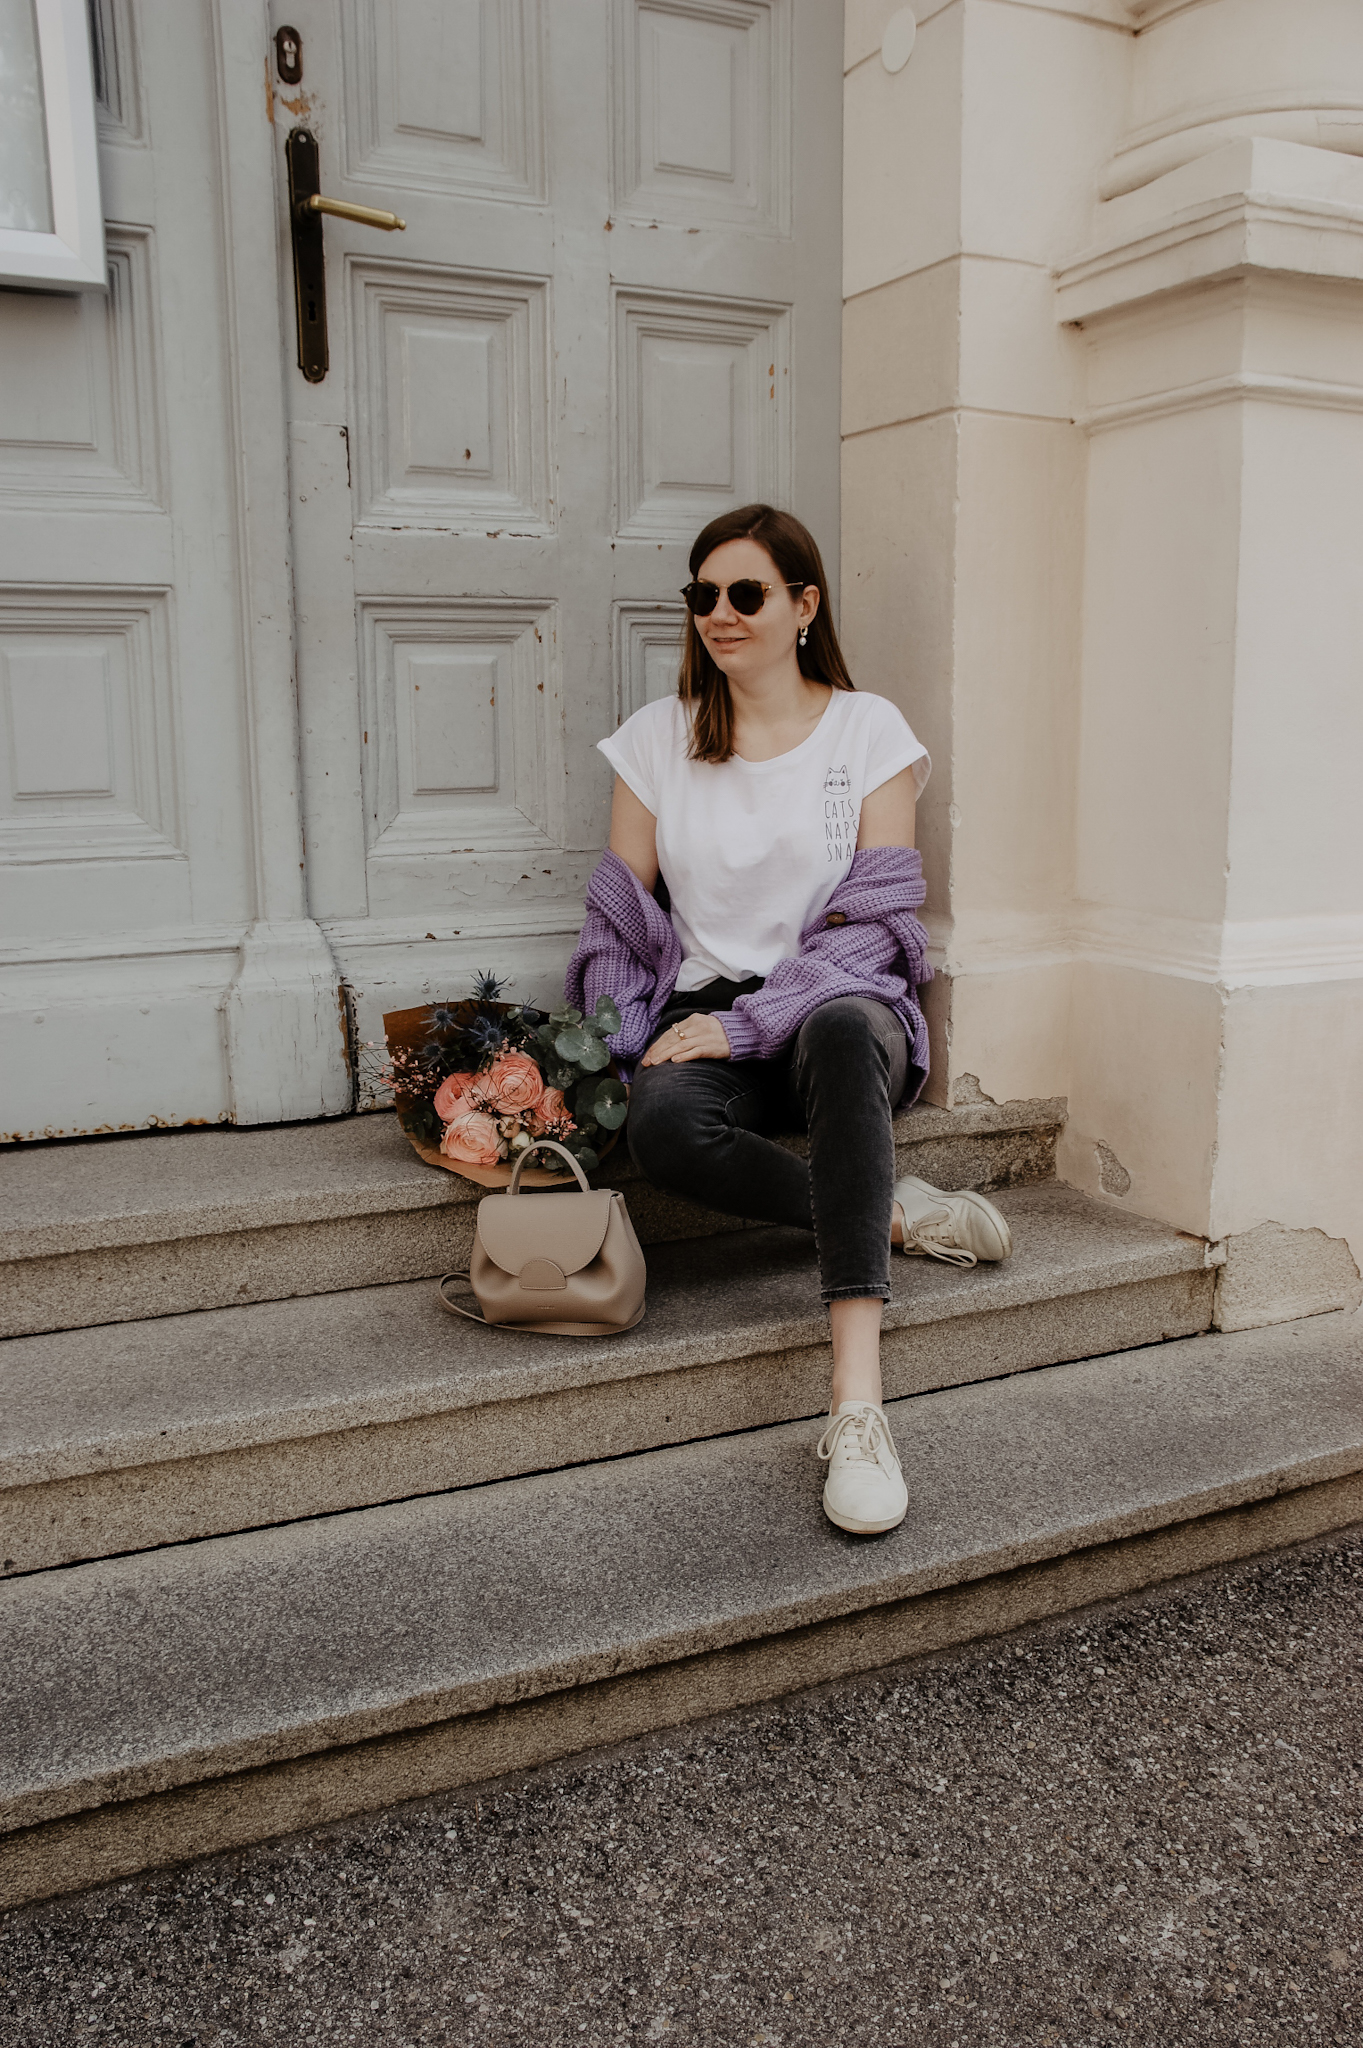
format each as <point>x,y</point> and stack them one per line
<point>478,1082</point>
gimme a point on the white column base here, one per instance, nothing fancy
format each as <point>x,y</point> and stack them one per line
<point>284,1028</point>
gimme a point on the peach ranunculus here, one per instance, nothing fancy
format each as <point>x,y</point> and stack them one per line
<point>450,1093</point>
<point>472,1137</point>
<point>514,1083</point>
<point>551,1111</point>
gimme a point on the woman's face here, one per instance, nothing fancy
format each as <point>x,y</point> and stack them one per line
<point>744,647</point>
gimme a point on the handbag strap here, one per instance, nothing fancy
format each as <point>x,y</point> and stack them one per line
<point>453,1306</point>
<point>543,1329</point>
<point>547,1145</point>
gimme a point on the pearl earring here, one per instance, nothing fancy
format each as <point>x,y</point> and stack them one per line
<point>804,635</point>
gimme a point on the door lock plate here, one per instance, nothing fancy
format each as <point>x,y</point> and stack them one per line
<point>288,55</point>
<point>309,255</point>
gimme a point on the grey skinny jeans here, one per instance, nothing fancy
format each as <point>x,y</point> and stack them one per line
<point>704,1129</point>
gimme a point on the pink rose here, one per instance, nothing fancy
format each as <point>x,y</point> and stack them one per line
<point>472,1137</point>
<point>514,1083</point>
<point>449,1094</point>
<point>551,1111</point>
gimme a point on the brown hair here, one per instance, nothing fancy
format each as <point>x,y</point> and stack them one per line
<point>702,684</point>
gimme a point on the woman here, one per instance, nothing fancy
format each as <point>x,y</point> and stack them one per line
<point>776,801</point>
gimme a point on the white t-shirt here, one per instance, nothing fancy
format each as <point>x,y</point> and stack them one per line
<point>752,850</point>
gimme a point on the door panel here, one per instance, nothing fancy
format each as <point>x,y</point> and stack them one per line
<point>451,401</point>
<point>702,410</point>
<point>461,746</point>
<point>614,313</point>
<point>702,113</point>
<point>445,95</point>
<point>136,855</point>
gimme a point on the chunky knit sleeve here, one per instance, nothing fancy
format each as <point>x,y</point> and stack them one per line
<point>867,942</point>
<point>627,950</point>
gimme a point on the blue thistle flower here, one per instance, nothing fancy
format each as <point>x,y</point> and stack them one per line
<point>443,1018</point>
<point>483,1036</point>
<point>486,987</point>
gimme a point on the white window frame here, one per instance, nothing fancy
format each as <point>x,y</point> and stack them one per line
<point>72,257</point>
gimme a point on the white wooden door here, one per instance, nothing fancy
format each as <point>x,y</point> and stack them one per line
<point>613,314</point>
<point>157,965</point>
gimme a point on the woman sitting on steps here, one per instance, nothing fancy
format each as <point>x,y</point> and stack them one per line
<point>777,802</point>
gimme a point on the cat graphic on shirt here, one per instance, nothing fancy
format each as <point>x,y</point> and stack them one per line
<point>839,815</point>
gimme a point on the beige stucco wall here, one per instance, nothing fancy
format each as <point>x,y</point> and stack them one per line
<point>963,477</point>
<point>1102,537</point>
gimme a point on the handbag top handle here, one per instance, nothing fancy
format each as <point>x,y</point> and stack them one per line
<point>547,1145</point>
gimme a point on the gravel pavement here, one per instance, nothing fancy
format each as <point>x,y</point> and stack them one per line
<point>1139,1824</point>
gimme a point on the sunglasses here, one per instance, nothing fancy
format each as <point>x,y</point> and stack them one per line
<point>746,596</point>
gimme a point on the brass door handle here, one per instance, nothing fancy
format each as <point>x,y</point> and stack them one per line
<point>367,216</point>
<point>306,207</point>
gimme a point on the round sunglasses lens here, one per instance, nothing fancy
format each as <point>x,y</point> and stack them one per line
<point>701,598</point>
<point>746,596</point>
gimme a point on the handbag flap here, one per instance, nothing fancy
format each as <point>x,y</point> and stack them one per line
<point>569,1229</point>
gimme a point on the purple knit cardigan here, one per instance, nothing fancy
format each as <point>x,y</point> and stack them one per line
<point>629,951</point>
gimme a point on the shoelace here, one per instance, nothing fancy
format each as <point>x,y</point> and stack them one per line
<point>864,1425</point>
<point>934,1235</point>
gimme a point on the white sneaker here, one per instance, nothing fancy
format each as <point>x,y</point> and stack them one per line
<point>864,1491</point>
<point>958,1228</point>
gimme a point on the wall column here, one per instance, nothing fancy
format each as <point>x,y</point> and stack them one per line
<point>1217,1020</point>
<point>1103,542</point>
<point>968,174</point>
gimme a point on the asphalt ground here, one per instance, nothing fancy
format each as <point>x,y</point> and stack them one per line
<point>1139,1824</point>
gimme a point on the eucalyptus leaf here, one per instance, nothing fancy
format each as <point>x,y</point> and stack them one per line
<point>419,1120</point>
<point>594,1055</point>
<point>610,1091</point>
<point>607,1016</point>
<point>610,1115</point>
<point>572,1044</point>
<point>586,1158</point>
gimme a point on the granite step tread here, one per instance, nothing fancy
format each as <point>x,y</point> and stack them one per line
<point>130,1435</point>
<point>136,1674</point>
<point>161,1224</point>
<point>157,1187</point>
<point>77,1400</point>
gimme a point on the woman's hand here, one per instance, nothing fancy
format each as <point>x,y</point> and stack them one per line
<point>699,1037</point>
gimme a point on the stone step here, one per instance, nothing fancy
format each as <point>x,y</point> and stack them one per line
<point>210,1694</point>
<point>125,1436</point>
<point>111,1230</point>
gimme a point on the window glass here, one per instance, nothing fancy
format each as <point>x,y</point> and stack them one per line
<point>25,188</point>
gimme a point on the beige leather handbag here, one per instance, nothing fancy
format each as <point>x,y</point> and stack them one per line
<point>568,1265</point>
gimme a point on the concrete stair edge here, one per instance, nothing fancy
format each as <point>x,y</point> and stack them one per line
<point>99,1435</point>
<point>285,1641</point>
<point>73,1197</point>
<point>320,1208</point>
<point>104,1843</point>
